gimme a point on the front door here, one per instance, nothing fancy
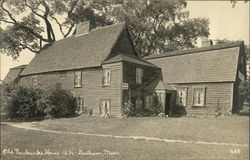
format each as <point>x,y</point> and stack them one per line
<point>168,104</point>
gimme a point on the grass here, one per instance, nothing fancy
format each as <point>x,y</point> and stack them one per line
<point>228,130</point>
<point>225,130</point>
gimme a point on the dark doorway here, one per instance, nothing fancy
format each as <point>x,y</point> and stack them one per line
<point>168,104</point>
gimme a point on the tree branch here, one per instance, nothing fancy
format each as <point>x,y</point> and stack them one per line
<point>3,20</point>
<point>70,29</point>
<point>50,32</point>
<point>10,15</point>
<point>32,50</point>
<point>15,22</point>
<point>59,24</point>
<point>32,9</point>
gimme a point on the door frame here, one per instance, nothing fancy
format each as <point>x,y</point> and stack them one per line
<point>172,94</point>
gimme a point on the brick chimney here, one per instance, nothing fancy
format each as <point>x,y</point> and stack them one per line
<point>205,42</point>
<point>82,28</point>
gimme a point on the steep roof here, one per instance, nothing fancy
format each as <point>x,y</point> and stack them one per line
<point>208,64</point>
<point>75,52</point>
<point>13,73</point>
<point>121,57</point>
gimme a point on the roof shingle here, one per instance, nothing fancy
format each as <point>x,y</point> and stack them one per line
<point>204,65</point>
<point>75,52</point>
<point>13,73</point>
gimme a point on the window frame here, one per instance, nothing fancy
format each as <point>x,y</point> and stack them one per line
<point>138,75</point>
<point>184,98</point>
<point>203,104</point>
<point>34,83</point>
<point>101,105</point>
<point>80,104</point>
<point>80,81</point>
<point>106,81</point>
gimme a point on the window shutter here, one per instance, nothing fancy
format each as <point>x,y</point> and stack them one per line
<point>186,96</point>
<point>193,97</point>
<point>204,92</point>
<point>103,77</point>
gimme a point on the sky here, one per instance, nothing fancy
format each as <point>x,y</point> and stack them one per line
<point>225,22</point>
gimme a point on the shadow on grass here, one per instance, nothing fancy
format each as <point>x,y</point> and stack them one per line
<point>5,118</point>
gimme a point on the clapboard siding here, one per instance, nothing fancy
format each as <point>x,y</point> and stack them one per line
<point>217,95</point>
<point>129,73</point>
<point>92,90</point>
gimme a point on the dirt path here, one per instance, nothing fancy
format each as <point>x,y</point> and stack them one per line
<point>29,126</point>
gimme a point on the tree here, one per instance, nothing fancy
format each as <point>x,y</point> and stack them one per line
<point>235,1</point>
<point>156,26</point>
<point>30,24</point>
<point>160,26</point>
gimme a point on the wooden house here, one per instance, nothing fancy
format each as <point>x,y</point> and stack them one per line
<point>98,66</point>
<point>201,80</point>
<point>13,74</point>
<point>103,70</point>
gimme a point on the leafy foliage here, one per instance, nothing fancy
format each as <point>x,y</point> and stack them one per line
<point>24,102</point>
<point>156,26</point>
<point>160,26</point>
<point>244,91</point>
<point>20,101</point>
<point>128,110</point>
<point>57,102</point>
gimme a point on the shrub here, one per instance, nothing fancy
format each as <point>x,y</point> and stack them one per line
<point>244,91</point>
<point>128,110</point>
<point>20,101</point>
<point>23,102</point>
<point>157,105</point>
<point>57,102</point>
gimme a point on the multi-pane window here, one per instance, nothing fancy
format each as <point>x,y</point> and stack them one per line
<point>34,80</point>
<point>199,97</point>
<point>181,96</point>
<point>78,79</point>
<point>80,104</point>
<point>139,74</point>
<point>105,107</point>
<point>106,77</point>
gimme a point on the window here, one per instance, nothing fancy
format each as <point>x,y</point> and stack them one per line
<point>199,97</point>
<point>181,96</point>
<point>78,79</point>
<point>80,104</point>
<point>105,107</point>
<point>35,80</point>
<point>106,77</point>
<point>139,74</point>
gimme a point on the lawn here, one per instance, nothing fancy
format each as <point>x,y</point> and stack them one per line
<point>229,130</point>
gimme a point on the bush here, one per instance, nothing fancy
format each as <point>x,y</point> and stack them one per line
<point>24,102</point>
<point>57,102</point>
<point>128,110</point>
<point>244,91</point>
<point>20,101</point>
